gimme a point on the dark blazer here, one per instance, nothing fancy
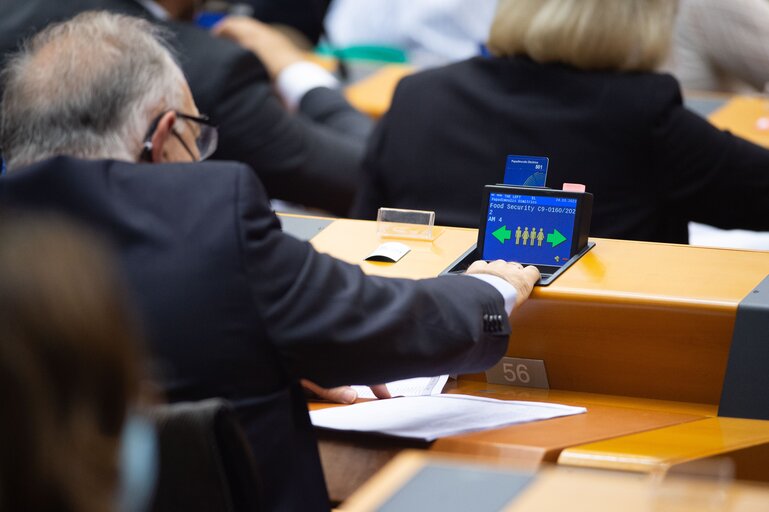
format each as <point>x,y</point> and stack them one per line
<point>235,308</point>
<point>651,164</point>
<point>304,15</point>
<point>312,158</point>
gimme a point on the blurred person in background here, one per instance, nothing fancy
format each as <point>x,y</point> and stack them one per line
<point>306,142</point>
<point>69,373</point>
<point>721,46</point>
<point>233,307</point>
<point>574,81</point>
<point>304,16</point>
<point>430,32</point>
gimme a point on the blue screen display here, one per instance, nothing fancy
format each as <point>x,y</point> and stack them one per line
<point>529,229</point>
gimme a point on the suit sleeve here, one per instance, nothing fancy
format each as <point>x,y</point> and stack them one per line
<point>329,108</point>
<point>705,174</point>
<point>299,159</point>
<point>335,325</point>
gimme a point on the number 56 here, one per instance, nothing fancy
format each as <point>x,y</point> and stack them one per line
<point>516,373</point>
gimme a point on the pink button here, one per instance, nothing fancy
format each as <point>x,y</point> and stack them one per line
<point>574,187</point>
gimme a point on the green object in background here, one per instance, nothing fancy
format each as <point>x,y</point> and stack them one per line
<point>386,54</point>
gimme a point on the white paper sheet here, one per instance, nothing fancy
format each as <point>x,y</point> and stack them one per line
<point>708,236</point>
<point>419,386</point>
<point>431,417</point>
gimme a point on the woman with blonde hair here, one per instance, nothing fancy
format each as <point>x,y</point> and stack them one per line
<point>574,81</point>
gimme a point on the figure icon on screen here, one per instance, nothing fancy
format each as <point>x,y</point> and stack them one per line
<point>540,238</point>
<point>518,236</point>
<point>525,236</point>
<point>533,236</point>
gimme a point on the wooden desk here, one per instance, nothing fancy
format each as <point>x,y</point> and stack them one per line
<point>741,116</point>
<point>351,459</point>
<point>630,317</point>
<point>543,441</point>
<point>622,321</point>
<point>353,240</point>
<point>639,333</point>
<point>745,441</point>
<point>373,94</point>
<point>558,489</point>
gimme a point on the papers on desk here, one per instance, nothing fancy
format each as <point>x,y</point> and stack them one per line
<point>430,417</point>
<point>709,236</point>
<point>419,386</point>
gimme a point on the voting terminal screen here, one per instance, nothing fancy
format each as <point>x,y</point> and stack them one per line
<point>535,230</point>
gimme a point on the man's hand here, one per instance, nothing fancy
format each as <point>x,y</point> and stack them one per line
<point>342,394</point>
<point>272,47</point>
<point>522,278</point>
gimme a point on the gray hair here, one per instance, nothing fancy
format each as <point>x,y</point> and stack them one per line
<point>87,88</point>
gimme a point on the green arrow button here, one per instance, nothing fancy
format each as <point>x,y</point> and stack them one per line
<point>503,234</point>
<point>555,238</point>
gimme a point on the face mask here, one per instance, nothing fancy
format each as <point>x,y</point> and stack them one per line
<point>139,458</point>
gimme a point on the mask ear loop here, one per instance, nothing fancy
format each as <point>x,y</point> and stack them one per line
<point>146,154</point>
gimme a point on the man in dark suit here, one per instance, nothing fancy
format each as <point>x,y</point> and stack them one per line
<point>311,158</point>
<point>231,305</point>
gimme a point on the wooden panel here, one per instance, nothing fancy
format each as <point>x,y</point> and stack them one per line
<point>588,400</point>
<point>353,240</point>
<point>749,463</point>
<point>349,459</point>
<point>558,489</point>
<point>642,273</point>
<point>373,94</point>
<point>637,332</point>
<point>544,440</point>
<point>741,116</point>
<point>630,317</point>
<point>658,450</point>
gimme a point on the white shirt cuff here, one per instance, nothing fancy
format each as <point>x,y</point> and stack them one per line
<point>300,78</point>
<point>506,289</point>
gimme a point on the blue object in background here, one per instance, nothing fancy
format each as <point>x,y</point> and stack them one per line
<point>207,19</point>
<point>2,167</point>
<point>527,171</point>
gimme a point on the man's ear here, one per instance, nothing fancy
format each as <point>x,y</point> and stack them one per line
<point>161,136</point>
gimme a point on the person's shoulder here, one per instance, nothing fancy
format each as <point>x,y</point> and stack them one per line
<point>652,79</point>
<point>448,71</point>
<point>644,90</point>
<point>213,170</point>
<point>651,88</point>
<point>429,81</point>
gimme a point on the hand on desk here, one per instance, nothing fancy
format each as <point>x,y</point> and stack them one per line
<point>521,278</point>
<point>342,394</point>
<point>272,47</point>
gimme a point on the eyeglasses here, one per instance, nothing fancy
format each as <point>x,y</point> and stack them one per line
<point>206,138</point>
